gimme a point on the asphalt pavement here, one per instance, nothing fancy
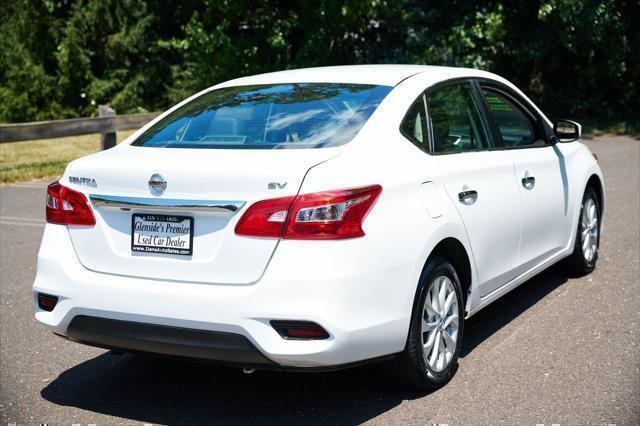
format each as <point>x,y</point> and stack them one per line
<point>556,350</point>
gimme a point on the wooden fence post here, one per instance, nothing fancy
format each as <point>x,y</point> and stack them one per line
<point>108,139</point>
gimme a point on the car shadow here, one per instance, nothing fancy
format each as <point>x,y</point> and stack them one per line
<point>504,310</point>
<point>172,391</point>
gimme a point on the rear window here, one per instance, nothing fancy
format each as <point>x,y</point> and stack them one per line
<point>268,117</point>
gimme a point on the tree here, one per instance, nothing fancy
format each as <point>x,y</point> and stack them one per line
<point>59,58</point>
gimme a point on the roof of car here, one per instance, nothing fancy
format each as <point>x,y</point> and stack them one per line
<point>384,75</point>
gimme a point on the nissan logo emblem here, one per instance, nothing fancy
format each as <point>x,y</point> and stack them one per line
<point>157,184</point>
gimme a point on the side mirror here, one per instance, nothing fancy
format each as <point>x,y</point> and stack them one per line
<point>567,130</point>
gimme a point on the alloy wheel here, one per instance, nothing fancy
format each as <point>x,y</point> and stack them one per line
<point>589,229</point>
<point>440,323</point>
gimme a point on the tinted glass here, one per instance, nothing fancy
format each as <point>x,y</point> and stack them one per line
<point>268,117</point>
<point>414,125</point>
<point>454,117</point>
<point>516,128</point>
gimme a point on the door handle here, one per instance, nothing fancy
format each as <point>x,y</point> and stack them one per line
<point>528,182</point>
<point>468,197</point>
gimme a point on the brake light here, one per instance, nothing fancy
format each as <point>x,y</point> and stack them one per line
<point>68,207</point>
<point>329,215</point>
<point>265,218</point>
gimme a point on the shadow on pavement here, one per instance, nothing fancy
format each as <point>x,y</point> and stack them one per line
<point>500,313</point>
<point>170,391</point>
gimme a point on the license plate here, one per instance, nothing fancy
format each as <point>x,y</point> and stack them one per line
<point>154,233</point>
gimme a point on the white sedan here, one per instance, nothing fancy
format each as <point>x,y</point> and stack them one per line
<point>318,219</point>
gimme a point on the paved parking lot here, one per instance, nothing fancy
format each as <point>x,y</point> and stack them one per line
<point>555,350</point>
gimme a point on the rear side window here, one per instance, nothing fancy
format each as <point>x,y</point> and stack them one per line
<point>516,128</point>
<point>454,117</point>
<point>414,125</point>
<point>278,116</point>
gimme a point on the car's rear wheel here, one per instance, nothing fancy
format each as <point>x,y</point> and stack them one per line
<point>585,251</point>
<point>435,335</point>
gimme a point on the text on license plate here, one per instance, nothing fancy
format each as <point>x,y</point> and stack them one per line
<point>154,233</point>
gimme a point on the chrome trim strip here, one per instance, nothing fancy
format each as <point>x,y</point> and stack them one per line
<point>164,204</point>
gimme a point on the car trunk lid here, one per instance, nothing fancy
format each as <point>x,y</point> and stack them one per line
<point>207,190</point>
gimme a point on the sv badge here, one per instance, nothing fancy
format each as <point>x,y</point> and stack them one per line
<point>276,185</point>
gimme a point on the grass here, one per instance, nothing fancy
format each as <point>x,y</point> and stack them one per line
<point>23,161</point>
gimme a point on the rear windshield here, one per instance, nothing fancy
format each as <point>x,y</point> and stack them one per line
<point>268,117</point>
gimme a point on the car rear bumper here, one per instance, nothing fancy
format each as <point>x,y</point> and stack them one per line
<point>227,349</point>
<point>364,307</point>
<point>166,340</point>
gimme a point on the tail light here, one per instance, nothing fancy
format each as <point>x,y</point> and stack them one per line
<point>68,207</point>
<point>265,218</point>
<point>329,215</point>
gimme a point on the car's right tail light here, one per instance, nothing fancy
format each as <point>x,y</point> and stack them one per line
<point>327,215</point>
<point>68,207</point>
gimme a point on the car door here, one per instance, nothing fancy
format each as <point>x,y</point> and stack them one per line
<point>540,173</point>
<point>480,181</point>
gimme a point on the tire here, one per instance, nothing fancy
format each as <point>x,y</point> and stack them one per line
<point>581,261</point>
<point>413,366</point>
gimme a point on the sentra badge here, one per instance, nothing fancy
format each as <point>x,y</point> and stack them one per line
<point>85,181</point>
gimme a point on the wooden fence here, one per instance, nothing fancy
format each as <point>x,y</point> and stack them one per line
<point>107,123</point>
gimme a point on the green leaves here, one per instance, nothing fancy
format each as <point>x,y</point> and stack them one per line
<point>61,58</point>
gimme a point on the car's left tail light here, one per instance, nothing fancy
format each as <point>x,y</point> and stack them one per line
<point>68,207</point>
<point>328,215</point>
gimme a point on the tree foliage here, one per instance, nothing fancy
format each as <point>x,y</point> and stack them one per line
<point>60,58</point>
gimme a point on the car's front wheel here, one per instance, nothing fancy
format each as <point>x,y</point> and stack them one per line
<point>585,251</point>
<point>435,335</point>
